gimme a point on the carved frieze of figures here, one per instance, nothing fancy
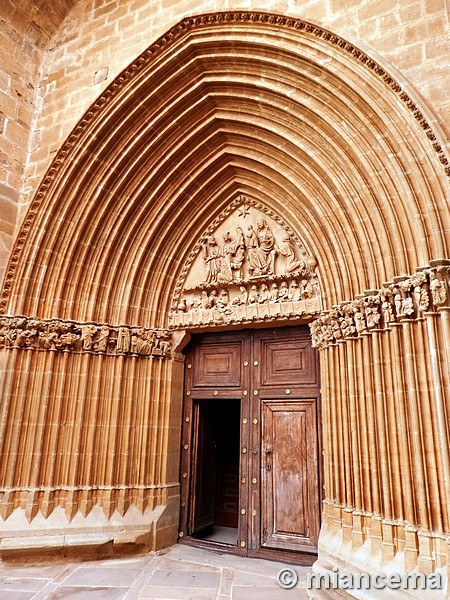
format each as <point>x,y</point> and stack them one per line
<point>69,336</point>
<point>252,302</point>
<point>404,299</point>
<point>248,266</point>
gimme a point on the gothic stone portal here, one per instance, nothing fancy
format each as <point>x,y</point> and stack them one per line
<point>251,444</point>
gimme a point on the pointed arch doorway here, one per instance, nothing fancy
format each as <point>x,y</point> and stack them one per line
<point>251,444</point>
<point>250,474</point>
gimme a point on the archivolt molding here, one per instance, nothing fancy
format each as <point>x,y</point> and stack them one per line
<point>117,224</point>
<point>217,19</point>
<point>79,190</point>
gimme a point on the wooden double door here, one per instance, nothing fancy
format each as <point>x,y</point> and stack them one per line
<point>251,443</point>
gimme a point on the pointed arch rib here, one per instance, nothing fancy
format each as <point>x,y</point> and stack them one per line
<point>269,107</point>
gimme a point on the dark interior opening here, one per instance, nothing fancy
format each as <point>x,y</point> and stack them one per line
<point>216,471</point>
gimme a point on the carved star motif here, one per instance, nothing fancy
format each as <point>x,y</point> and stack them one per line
<point>243,211</point>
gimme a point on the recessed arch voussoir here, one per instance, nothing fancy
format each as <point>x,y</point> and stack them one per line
<point>302,120</point>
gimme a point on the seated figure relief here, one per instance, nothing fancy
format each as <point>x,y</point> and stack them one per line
<point>246,262</point>
<point>256,250</point>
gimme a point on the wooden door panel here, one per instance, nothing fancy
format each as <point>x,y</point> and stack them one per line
<point>286,361</point>
<point>204,471</point>
<point>218,366</point>
<point>274,375</point>
<point>289,475</point>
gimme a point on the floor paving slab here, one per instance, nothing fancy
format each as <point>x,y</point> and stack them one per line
<point>173,593</point>
<point>22,584</point>
<point>254,580</point>
<point>102,577</point>
<point>122,563</point>
<point>46,591</point>
<point>32,570</point>
<point>180,578</point>
<point>181,572</point>
<point>81,593</point>
<point>260,593</point>
<point>226,582</point>
<point>169,563</point>
<point>15,595</point>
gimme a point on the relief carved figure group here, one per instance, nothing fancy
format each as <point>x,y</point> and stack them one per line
<point>69,336</point>
<point>256,264</point>
<point>405,298</point>
<point>252,302</point>
<point>257,248</point>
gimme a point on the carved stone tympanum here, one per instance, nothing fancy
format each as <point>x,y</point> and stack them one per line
<point>248,266</point>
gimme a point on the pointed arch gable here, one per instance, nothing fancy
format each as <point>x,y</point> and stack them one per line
<point>226,104</point>
<point>237,104</point>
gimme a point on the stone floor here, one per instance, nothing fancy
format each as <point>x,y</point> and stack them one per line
<point>181,572</point>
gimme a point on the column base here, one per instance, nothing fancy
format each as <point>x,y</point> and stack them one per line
<point>90,537</point>
<point>333,579</point>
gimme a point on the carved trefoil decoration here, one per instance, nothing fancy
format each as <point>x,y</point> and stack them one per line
<point>248,266</point>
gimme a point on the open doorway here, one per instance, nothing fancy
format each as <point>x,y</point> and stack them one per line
<point>250,466</point>
<point>214,511</point>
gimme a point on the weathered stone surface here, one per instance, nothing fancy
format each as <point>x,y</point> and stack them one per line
<point>337,128</point>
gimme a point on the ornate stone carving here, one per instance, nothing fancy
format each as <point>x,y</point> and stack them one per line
<point>387,309</point>
<point>407,297</point>
<point>248,266</point>
<point>69,336</point>
<point>372,312</point>
<point>438,289</point>
<point>142,63</point>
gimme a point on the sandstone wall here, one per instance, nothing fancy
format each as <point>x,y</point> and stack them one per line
<point>21,55</point>
<point>99,38</point>
<point>410,36</point>
<point>361,178</point>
